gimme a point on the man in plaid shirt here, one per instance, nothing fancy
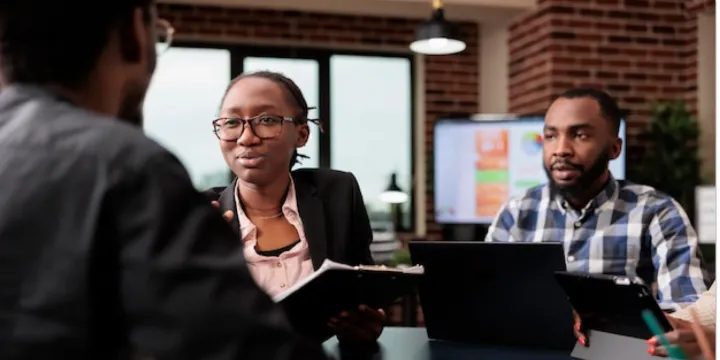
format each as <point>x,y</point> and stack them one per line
<point>607,226</point>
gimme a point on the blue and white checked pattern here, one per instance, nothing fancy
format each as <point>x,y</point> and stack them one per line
<point>628,229</point>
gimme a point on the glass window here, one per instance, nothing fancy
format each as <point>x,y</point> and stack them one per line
<point>183,99</point>
<point>371,111</point>
<point>305,73</point>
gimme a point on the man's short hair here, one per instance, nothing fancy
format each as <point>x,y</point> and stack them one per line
<point>608,106</point>
<point>43,42</point>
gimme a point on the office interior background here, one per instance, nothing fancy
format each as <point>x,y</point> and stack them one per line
<point>379,101</point>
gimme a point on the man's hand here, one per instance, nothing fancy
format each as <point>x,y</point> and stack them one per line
<point>359,327</point>
<point>683,336</point>
<point>579,331</point>
<point>228,215</point>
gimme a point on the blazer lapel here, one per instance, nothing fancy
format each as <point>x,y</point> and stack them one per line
<point>227,202</point>
<point>311,213</point>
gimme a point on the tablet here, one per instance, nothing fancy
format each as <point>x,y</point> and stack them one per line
<point>612,304</point>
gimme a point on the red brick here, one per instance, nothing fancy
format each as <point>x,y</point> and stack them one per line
<point>695,6</point>
<point>607,26</point>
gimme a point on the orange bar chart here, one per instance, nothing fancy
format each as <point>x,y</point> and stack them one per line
<point>491,171</point>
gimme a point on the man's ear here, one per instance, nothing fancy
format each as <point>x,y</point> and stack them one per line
<point>303,134</point>
<point>616,148</point>
<point>133,36</point>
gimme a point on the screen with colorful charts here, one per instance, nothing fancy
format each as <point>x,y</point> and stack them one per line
<point>479,165</point>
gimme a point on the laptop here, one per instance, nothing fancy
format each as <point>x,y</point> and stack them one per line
<point>499,294</point>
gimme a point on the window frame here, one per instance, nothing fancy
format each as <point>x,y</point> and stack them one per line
<point>238,53</point>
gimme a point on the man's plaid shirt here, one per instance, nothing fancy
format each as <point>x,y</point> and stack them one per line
<point>627,229</point>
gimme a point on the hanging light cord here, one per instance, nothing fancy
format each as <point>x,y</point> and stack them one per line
<point>437,4</point>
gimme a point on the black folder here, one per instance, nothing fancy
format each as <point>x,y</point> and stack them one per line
<point>334,287</point>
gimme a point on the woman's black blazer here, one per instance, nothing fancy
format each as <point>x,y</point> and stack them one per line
<point>333,214</point>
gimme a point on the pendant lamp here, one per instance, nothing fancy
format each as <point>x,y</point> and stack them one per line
<point>393,194</point>
<point>436,36</point>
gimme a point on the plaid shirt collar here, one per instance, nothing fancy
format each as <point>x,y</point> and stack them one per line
<point>607,195</point>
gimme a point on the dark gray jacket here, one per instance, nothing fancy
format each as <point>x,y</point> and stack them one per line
<point>107,250</point>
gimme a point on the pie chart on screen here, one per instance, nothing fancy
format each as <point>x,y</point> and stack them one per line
<point>532,143</point>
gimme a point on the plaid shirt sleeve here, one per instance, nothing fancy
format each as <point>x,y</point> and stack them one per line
<point>676,255</point>
<point>499,230</point>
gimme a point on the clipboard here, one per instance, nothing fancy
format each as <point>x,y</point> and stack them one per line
<point>335,287</point>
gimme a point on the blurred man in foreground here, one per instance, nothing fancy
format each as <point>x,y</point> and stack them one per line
<point>108,252</point>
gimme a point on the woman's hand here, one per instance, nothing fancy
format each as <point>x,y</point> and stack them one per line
<point>579,331</point>
<point>683,336</point>
<point>228,215</point>
<point>360,326</point>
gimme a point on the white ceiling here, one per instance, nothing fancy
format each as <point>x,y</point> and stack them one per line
<point>482,11</point>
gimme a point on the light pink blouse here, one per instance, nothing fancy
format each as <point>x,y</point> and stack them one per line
<point>275,274</point>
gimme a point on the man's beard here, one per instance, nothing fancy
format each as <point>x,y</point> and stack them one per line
<point>587,177</point>
<point>131,109</point>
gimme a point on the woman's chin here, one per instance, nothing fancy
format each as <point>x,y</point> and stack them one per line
<point>255,176</point>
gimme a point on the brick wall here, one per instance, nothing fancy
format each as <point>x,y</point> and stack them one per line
<point>690,51</point>
<point>451,82</point>
<point>637,50</point>
<point>695,6</point>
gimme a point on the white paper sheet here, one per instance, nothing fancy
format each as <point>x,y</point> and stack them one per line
<point>705,220</point>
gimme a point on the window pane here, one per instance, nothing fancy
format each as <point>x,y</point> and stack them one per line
<point>305,74</point>
<point>371,106</point>
<point>183,99</point>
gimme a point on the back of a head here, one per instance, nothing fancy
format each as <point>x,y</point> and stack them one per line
<point>608,106</point>
<point>57,42</point>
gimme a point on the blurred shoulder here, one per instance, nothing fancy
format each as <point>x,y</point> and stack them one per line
<point>656,202</point>
<point>31,118</point>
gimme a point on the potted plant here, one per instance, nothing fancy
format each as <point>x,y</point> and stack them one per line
<point>401,258</point>
<point>671,162</point>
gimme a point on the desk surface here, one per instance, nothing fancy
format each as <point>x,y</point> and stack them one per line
<point>400,343</point>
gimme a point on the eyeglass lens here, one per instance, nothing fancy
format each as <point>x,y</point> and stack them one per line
<point>264,128</point>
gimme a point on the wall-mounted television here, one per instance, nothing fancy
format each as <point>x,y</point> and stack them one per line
<point>479,165</point>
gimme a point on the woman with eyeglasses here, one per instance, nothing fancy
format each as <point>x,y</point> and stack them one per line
<point>289,221</point>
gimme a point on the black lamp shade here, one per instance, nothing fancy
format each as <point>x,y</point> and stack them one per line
<point>393,194</point>
<point>437,37</point>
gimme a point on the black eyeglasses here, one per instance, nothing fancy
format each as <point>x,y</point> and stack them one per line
<point>263,126</point>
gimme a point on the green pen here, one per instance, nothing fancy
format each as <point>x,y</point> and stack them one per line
<point>674,352</point>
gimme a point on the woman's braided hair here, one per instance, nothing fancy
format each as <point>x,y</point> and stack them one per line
<point>293,94</point>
